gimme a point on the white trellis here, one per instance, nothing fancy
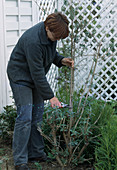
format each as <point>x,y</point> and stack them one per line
<point>106,80</point>
<point>100,17</point>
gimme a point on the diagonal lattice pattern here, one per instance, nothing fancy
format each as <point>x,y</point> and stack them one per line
<point>46,7</point>
<point>95,23</point>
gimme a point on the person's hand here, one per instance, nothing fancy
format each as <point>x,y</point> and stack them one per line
<point>68,62</point>
<point>55,102</point>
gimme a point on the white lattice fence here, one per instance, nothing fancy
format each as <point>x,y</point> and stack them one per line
<point>96,23</point>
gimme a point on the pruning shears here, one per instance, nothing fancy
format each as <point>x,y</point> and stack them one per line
<point>63,105</point>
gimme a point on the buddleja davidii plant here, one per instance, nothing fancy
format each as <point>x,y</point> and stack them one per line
<point>71,9</point>
<point>57,121</point>
<point>71,132</point>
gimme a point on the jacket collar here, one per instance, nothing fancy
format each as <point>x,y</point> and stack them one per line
<point>43,35</point>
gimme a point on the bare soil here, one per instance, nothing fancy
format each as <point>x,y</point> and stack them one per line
<point>6,161</point>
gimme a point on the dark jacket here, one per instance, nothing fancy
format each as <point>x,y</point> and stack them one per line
<point>31,59</point>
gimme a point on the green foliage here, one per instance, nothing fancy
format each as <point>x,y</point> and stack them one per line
<point>106,151</point>
<point>7,121</point>
<point>1,162</point>
<point>74,144</point>
<point>39,167</point>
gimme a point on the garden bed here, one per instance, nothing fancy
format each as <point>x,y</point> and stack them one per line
<point>6,161</point>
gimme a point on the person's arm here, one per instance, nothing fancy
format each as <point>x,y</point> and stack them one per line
<point>35,61</point>
<point>57,60</point>
<point>60,61</point>
<point>68,62</point>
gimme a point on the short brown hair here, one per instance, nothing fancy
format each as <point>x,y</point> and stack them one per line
<point>58,24</point>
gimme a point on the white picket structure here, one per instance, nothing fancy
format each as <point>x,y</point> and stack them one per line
<point>16,16</point>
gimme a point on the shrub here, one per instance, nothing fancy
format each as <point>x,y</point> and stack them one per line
<point>106,151</point>
<point>73,142</point>
<point>7,121</point>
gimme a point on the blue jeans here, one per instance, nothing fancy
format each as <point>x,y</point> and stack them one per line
<point>27,141</point>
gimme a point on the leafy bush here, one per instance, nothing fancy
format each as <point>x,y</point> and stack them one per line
<point>7,121</point>
<point>106,151</point>
<point>68,143</point>
<point>71,139</point>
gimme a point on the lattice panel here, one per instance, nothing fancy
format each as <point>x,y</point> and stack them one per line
<point>96,22</point>
<point>45,7</point>
<point>106,83</point>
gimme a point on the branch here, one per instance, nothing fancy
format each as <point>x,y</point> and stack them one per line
<point>98,52</point>
<point>81,151</point>
<point>45,136</point>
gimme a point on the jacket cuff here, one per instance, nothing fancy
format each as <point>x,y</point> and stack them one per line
<point>60,63</point>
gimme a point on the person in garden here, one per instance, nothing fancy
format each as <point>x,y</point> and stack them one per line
<point>27,68</point>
